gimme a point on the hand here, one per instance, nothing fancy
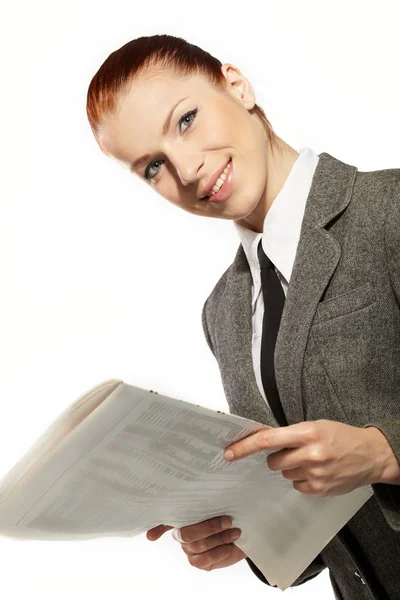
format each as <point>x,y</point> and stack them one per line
<point>206,544</point>
<point>323,458</point>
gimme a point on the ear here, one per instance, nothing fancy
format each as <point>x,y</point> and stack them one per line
<point>238,86</point>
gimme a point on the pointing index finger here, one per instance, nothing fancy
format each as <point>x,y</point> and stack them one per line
<point>273,438</point>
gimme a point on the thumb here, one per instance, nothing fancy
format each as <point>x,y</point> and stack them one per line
<point>155,533</point>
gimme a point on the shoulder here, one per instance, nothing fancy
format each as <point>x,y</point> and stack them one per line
<point>210,307</point>
<point>218,290</point>
<point>376,197</point>
<point>383,184</point>
<point>212,302</point>
<point>379,193</point>
<point>392,222</point>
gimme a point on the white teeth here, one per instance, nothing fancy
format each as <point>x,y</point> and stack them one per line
<point>220,180</point>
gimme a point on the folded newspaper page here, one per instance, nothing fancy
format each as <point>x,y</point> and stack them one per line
<point>122,460</point>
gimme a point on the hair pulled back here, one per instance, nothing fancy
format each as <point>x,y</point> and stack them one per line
<point>153,54</point>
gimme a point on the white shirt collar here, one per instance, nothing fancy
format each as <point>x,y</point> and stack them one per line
<point>282,224</point>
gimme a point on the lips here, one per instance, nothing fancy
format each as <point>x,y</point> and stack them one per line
<point>213,180</point>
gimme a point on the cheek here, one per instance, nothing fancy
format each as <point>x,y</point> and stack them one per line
<point>216,133</point>
<point>170,192</point>
<point>218,130</point>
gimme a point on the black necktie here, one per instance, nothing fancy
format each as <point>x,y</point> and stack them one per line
<point>274,299</point>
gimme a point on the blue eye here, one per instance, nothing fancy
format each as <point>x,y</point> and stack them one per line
<point>190,114</point>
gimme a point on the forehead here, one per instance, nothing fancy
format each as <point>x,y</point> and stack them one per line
<point>142,109</point>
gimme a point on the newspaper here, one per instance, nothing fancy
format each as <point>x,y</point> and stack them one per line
<point>122,460</point>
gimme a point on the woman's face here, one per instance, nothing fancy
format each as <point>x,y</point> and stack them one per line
<point>206,129</point>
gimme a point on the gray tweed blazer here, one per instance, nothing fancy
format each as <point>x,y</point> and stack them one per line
<point>337,353</point>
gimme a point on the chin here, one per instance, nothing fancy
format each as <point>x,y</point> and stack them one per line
<point>245,209</point>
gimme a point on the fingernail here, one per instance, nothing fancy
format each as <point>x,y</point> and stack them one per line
<point>225,523</point>
<point>229,455</point>
<point>176,534</point>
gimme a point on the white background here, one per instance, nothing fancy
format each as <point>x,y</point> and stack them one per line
<point>101,278</point>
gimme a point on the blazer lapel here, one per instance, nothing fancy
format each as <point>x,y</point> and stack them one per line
<point>317,257</point>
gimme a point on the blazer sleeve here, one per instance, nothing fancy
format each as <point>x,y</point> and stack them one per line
<point>312,571</point>
<point>388,495</point>
<point>317,564</point>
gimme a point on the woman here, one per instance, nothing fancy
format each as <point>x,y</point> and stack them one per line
<point>189,125</point>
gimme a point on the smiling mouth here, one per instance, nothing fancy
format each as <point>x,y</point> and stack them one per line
<point>223,176</point>
<point>225,189</point>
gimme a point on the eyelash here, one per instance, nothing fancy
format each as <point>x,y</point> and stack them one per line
<point>188,114</point>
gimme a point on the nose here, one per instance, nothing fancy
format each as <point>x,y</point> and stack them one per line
<point>187,167</point>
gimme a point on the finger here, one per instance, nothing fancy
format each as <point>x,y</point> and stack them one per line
<point>234,556</point>
<point>292,458</point>
<point>309,488</point>
<point>156,532</point>
<point>294,474</point>
<point>209,543</point>
<point>276,438</point>
<point>208,559</point>
<point>199,531</point>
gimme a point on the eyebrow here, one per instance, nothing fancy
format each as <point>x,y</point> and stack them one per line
<point>165,130</point>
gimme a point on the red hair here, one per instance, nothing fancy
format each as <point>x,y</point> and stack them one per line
<point>153,53</point>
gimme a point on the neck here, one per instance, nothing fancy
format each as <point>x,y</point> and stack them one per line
<point>279,165</point>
